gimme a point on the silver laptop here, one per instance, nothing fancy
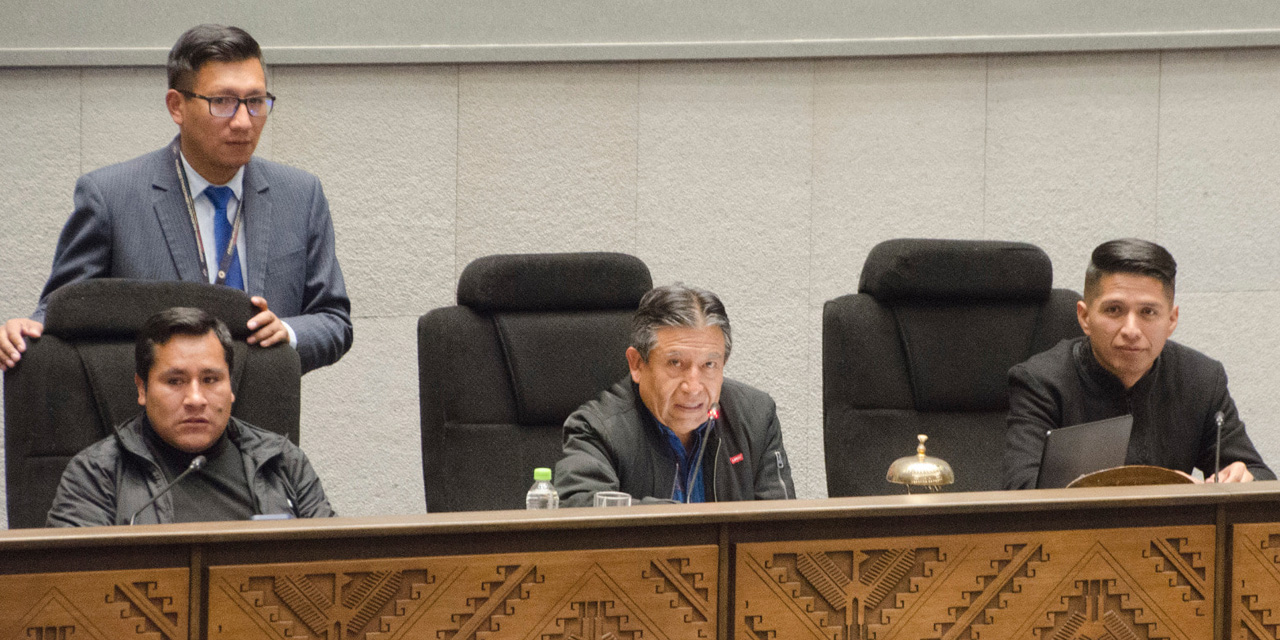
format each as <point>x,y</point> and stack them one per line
<point>1070,452</point>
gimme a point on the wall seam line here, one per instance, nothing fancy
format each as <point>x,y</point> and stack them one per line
<point>1155,199</point>
<point>635,198</point>
<point>457,163</point>
<point>986,137</point>
<point>80,133</point>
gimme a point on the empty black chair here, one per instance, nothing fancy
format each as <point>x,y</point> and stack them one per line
<point>532,337</point>
<point>75,383</point>
<point>924,347</point>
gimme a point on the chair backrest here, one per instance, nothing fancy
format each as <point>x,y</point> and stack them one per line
<point>925,346</point>
<point>532,338</point>
<point>75,383</point>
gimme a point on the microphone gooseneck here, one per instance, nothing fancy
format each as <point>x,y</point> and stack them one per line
<point>1218,419</point>
<point>197,463</point>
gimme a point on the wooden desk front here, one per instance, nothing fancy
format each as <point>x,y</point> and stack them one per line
<point>1123,563</point>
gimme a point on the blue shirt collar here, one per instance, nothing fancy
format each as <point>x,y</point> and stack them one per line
<point>689,486</point>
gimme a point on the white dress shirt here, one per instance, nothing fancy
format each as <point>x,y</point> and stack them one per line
<point>204,215</point>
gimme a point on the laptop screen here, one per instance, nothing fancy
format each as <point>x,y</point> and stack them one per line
<point>1070,452</point>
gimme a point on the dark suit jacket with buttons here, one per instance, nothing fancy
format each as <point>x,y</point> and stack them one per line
<point>131,221</point>
<point>1173,409</point>
<point>613,443</point>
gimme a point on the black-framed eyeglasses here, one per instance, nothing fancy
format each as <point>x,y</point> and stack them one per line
<point>227,106</point>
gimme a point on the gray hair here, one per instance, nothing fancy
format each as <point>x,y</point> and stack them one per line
<point>677,305</point>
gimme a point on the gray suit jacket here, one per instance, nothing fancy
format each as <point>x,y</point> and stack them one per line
<point>131,221</point>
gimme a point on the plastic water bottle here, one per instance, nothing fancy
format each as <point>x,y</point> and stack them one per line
<point>542,495</point>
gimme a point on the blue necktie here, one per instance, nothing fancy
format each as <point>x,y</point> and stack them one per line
<point>220,196</point>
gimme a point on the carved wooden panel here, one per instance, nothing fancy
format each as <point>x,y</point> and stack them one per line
<point>617,594</point>
<point>1118,584</point>
<point>148,604</point>
<point>1253,605</point>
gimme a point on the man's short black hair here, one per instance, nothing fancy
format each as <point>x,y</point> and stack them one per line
<point>208,43</point>
<point>1132,256</point>
<point>181,321</point>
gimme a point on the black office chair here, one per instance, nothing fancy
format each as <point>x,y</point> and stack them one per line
<point>924,347</point>
<point>532,337</point>
<point>75,383</point>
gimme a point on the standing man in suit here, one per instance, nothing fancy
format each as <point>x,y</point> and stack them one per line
<point>204,209</point>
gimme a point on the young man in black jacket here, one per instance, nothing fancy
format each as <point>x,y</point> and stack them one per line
<point>183,361</point>
<point>1126,364</point>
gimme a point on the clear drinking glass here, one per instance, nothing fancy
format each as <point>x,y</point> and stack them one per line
<point>612,499</point>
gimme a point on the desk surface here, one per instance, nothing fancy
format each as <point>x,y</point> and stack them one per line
<point>1185,561</point>
<point>871,507</point>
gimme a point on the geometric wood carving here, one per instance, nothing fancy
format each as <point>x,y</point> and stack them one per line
<point>99,605</point>
<point>615,594</point>
<point>1121,584</point>
<point>1254,604</point>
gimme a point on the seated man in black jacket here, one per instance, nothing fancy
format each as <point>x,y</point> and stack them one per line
<point>1125,364</point>
<point>677,430</point>
<point>183,361</point>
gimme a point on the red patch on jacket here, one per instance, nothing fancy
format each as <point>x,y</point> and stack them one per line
<point>736,459</point>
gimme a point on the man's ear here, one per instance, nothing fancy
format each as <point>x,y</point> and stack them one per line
<point>1082,316</point>
<point>634,362</point>
<point>142,389</point>
<point>173,102</point>
<point>1173,319</point>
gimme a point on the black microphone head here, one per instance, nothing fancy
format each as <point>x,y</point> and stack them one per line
<point>197,463</point>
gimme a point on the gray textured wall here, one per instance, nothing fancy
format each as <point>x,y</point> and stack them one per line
<point>767,181</point>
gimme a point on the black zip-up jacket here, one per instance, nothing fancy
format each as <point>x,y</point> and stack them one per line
<point>1173,406</point>
<point>110,480</point>
<point>613,443</point>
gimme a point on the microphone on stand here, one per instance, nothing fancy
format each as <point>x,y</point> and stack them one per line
<point>1218,419</point>
<point>197,463</point>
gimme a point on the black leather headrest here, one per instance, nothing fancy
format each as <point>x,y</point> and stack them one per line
<point>554,282</point>
<point>910,269</point>
<point>111,308</point>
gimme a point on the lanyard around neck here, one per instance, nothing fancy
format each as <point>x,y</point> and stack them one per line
<point>225,263</point>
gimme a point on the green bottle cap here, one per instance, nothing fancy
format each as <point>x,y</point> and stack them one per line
<point>542,474</point>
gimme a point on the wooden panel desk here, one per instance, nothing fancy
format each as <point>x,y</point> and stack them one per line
<point>1122,563</point>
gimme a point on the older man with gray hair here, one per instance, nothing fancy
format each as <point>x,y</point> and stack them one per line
<point>677,430</point>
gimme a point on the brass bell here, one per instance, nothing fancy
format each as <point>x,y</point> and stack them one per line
<point>921,470</point>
